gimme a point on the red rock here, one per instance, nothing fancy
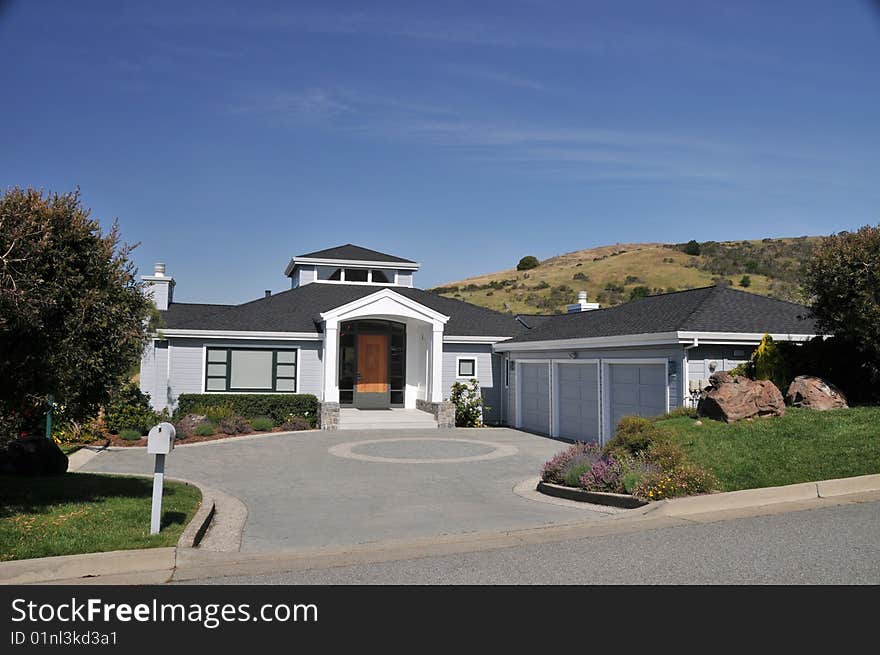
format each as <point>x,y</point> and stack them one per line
<point>814,393</point>
<point>733,398</point>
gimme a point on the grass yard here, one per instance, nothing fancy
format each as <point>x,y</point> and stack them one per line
<point>802,446</point>
<point>87,513</point>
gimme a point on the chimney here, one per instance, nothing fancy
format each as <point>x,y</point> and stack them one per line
<point>582,305</point>
<point>267,293</point>
<point>159,286</point>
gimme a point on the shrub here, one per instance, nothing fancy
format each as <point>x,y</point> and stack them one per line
<point>770,364</point>
<point>666,455</point>
<point>692,248</point>
<point>746,369</point>
<point>528,262</point>
<point>129,408</point>
<point>66,430</point>
<point>581,276</point>
<point>678,412</point>
<point>130,435</point>
<point>235,425</point>
<point>745,281</point>
<point>604,475</point>
<point>296,423</point>
<point>205,430</point>
<point>278,407</point>
<point>639,292</point>
<point>262,424</point>
<point>633,435</point>
<point>555,469</point>
<point>468,403</point>
<point>633,469</point>
<point>684,480</point>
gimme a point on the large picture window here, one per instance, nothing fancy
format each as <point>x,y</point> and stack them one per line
<point>251,369</point>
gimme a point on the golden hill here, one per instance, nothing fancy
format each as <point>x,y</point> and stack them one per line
<point>614,274</point>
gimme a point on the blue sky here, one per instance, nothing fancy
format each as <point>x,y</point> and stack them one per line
<point>228,137</point>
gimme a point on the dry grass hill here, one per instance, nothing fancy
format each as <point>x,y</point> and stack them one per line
<point>615,274</point>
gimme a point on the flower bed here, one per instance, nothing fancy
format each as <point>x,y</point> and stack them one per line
<point>640,464</point>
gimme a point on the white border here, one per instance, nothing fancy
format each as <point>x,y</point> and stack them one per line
<point>239,334</point>
<point>473,358</point>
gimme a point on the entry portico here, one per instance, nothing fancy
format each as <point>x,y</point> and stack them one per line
<point>383,350</point>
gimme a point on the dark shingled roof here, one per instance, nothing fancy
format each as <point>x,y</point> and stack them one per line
<point>709,309</point>
<point>297,310</point>
<point>181,312</point>
<point>351,251</point>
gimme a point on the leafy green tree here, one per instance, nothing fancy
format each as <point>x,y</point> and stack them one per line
<point>842,281</point>
<point>73,316</point>
<point>639,292</point>
<point>528,262</point>
<point>692,247</point>
<point>745,281</point>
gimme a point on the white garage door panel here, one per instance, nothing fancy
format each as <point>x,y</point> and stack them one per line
<point>578,402</point>
<point>535,397</point>
<point>637,390</point>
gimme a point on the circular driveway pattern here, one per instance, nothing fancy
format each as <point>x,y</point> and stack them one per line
<point>431,450</point>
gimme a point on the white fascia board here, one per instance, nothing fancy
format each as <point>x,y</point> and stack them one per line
<point>466,339</point>
<point>353,263</point>
<point>655,339</point>
<point>240,334</point>
<point>343,311</point>
<point>720,338</point>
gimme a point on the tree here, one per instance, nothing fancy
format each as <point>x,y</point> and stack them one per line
<point>745,281</point>
<point>842,281</point>
<point>692,247</point>
<point>639,292</point>
<point>528,262</point>
<point>73,316</point>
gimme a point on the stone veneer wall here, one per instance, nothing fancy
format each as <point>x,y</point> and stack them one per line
<point>444,412</point>
<point>329,416</point>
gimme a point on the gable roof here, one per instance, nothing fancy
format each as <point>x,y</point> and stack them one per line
<point>708,309</point>
<point>181,312</point>
<point>299,309</point>
<point>353,252</point>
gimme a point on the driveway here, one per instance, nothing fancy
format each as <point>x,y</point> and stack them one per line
<point>328,488</point>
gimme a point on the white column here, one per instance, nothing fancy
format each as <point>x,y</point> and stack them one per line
<point>331,348</point>
<point>437,364</point>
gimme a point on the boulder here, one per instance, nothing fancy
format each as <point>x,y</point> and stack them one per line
<point>733,398</point>
<point>814,393</point>
<point>187,424</point>
<point>33,456</point>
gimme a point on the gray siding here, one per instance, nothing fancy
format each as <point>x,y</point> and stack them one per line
<point>405,278</point>
<point>154,373</point>
<point>186,370</point>
<point>725,358</point>
<point>489,369</point>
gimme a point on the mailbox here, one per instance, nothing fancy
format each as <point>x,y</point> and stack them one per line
<point>160,440</point>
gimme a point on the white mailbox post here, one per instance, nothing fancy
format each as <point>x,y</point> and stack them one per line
<point>160,442</point>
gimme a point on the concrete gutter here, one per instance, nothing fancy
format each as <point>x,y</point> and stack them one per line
<point>219,523</point>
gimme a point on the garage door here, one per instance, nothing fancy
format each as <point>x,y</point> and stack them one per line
<point>636,390</point>
<point>535,397</point>
<point>578,401</point>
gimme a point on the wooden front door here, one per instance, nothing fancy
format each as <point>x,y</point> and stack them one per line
<point>372,363</point>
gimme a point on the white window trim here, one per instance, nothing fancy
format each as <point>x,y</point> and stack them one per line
<point>472,358</point>
<point>296,385</point>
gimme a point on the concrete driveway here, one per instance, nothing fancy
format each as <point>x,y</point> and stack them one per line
<point>329,488</point>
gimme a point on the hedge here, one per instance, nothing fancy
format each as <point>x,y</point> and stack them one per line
<point>251,405</point>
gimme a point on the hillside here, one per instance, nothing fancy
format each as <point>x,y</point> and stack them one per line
<point>615,274</point>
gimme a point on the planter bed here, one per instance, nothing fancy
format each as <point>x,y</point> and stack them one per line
<point>624,501</point>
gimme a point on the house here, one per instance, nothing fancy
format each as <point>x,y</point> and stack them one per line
<point>354,331</point>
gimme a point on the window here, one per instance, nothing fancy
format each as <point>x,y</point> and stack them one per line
<point>251,369</point>
<point>356,274</point>
<point>467,367</point>
<point>382,276</point>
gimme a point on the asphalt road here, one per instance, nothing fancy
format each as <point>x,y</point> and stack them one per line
<point>832,545</point>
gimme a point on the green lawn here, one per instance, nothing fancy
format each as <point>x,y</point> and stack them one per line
<point>802,446</point>
<point>87,513</point>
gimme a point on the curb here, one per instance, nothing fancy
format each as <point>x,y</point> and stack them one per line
<point>623,501</point>
<point>224,513</point>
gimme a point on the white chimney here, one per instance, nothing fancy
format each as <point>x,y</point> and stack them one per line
<point>159,286</point>
<point>582,305</point>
